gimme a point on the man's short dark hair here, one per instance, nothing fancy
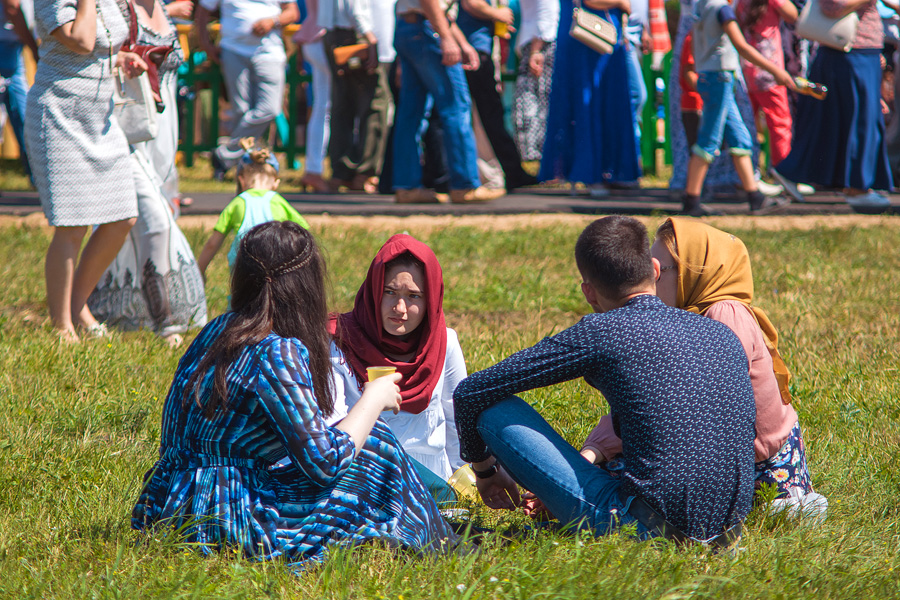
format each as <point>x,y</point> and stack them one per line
<point>613,255</point>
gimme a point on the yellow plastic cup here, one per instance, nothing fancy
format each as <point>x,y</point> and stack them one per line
<point>463,481</point>
<point>501,29</point>
<point>376,372</point>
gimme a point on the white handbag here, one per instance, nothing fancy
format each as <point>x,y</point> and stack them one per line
<point>135,108</point>
<point>813,25</point>
<point>592,30</point>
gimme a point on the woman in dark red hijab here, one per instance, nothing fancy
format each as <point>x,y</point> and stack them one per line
<point>398,320</point>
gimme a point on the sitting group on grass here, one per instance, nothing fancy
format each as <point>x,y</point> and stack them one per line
<point>274,441</point>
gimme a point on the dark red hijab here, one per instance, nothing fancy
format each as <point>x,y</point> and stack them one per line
<point>363,340</point>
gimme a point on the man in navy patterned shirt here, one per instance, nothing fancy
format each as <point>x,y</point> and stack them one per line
<point>678,388</point>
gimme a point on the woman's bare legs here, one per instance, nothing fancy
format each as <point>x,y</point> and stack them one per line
<point>59,273</point>
<point>102,247</point>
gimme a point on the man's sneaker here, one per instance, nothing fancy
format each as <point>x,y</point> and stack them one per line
<point>806,189</point>
<point>768,189</point>
<point>768,205</point>
<point>789,186</point>
<point>416,196</point>
<point>479,194</point>
<point>219,168</point>
<point>870,203</point>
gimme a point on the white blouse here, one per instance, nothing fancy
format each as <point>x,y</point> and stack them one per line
<point>540,19</point>
<point>430,436</point>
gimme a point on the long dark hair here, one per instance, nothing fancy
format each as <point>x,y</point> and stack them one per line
<point>277,286</point>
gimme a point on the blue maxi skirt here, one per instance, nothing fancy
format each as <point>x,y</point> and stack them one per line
<point>590,124</point>
<point>839,142</point>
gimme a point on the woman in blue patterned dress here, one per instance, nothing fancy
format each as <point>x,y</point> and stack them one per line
<point>254,451</point>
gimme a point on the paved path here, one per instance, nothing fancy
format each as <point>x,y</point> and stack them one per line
<point>635,202</point>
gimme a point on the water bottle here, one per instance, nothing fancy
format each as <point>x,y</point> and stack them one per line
<point>811,88</point>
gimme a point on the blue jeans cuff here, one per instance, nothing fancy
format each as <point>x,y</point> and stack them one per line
<point>698,151</point>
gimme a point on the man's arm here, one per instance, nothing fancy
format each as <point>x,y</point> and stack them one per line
<point>553,360</point>
<point>13,10</point>
<point>450,51</point>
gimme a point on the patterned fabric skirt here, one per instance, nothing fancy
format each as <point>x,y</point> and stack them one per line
<point>530,104</point>
<point>154,282</point>
<point>840,141</point>
<point>787,468</point>
<point>273,512</point>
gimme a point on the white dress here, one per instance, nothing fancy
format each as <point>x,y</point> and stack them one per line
<point>430,436</point>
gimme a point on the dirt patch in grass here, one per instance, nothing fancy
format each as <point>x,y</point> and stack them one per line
<point>423,223</point>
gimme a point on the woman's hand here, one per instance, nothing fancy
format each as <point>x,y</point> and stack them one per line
<point>384,393</point>
<point>534,508</point>
<point>536,63</point>
<point>130,63</point>
<point>623,5</point>
<point>784,78</point>
<point>180,9</point>
<point>470,60</point>
<point>262,27</point>
<point>504,14</point>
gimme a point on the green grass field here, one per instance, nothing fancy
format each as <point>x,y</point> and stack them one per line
<point>80,425</point>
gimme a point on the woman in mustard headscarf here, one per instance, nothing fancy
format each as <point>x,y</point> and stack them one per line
<point>707,271</point>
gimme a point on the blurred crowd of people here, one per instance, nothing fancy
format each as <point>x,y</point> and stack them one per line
<point>406,100</point>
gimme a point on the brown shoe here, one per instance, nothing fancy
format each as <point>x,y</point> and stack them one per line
<point>479,194</point>
<point>416,196</point>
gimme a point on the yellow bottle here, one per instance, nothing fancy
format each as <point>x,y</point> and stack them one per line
<point>501,29</point>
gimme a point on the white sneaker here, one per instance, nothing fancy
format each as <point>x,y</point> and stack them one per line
<point>768,189</point>
<point>598,191</point>
<point>812,506</point>
<point>806,189</point>
<point>869,203</point>
<point>790,188</point>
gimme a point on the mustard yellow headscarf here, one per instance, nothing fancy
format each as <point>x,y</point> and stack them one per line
<point>714,266</point>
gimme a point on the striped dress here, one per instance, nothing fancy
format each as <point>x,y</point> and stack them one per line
<point>217,478</point>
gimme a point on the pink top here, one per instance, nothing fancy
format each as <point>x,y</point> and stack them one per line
<point>310,31</point>
<point>774,419</point>
<point>870,33</point>
<point>765,36</point>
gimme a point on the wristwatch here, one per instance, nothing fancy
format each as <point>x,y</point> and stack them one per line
<point>489,472</point>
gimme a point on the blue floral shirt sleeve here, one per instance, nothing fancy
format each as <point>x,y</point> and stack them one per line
<point>552,360</point>
<point>285,391</point>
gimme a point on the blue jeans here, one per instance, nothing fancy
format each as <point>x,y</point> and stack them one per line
<point>721,117</point>
<point>637,89</point>
<point>12,69</point>
<point>541,461</point>
<point>419,51</point>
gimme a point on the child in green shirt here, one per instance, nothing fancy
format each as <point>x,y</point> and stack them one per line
<point>257,203</point>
